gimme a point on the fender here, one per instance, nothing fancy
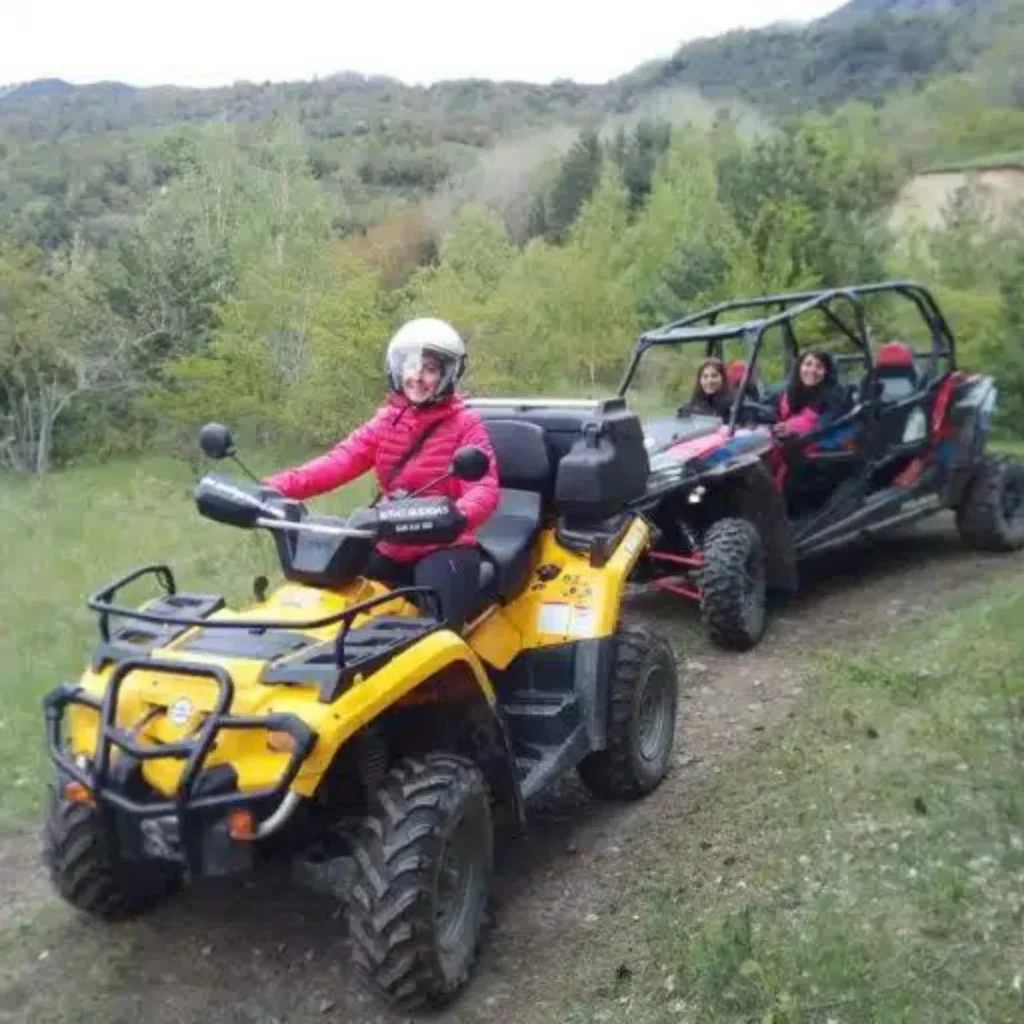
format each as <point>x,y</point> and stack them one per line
<point>961,420</point>
<point>363,703</point>
<point>762,504</point>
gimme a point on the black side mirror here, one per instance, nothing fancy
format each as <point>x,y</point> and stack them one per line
<point>470,463</point>
<point>216,441</point>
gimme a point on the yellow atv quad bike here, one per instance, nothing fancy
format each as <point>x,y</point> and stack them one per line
<point>334,720</point>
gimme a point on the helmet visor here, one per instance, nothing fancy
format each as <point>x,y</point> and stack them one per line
<point>420,372</point>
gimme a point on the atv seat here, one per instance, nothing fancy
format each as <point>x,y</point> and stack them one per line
<point>507,538</point>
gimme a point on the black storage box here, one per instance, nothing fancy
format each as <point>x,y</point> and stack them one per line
<point>605,468</point>
<point>596,444</point>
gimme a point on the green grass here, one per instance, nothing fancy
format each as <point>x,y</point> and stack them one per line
<point>62,537</point>
<point>1008,446</point>
<point>867,866</point>
<point>993,161</point>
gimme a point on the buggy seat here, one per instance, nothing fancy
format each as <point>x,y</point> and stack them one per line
<point>525,477</point>
<point>896,371</point>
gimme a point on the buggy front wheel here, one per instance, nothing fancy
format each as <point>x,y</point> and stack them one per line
<point>733,585</point>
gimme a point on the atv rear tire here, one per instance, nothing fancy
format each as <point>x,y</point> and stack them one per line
<point>643,697</point>
<point>87,874</point>
<point>429,828</point>
<point>990,516</point>
<point>733,584</point>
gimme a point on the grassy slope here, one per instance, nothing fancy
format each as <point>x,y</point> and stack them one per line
<point>868,865</point>
<point>64,537</point>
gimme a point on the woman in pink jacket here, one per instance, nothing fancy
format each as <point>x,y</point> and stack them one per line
<point>812,399</point>
<point>424,416</point>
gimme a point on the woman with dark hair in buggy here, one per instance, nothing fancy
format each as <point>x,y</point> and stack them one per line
<point>409,443</point>
<point>711,395</point>
<point>812,399</point>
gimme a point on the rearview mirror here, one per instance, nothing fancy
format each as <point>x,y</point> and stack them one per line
<point>216,441</point>
<point>470,463</point>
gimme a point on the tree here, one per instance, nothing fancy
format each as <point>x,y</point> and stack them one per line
<point>58,343</point>
<point>637,156</point>
<point>474,257</point>
<point>574,184</point>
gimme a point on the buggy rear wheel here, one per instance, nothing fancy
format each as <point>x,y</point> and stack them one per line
<point>990,516</point>
<point>641,719</point>
<point>87,873</point>
<point>423,868</point>
<point>733,584</point>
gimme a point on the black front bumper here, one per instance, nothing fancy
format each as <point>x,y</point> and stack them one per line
<point>173,827</point>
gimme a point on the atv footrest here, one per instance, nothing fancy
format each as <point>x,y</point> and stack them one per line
<point>334,667</point>
<point>541,718</point>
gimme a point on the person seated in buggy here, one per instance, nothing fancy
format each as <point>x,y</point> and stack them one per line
<point>712,395</point>
<point>812,398</point>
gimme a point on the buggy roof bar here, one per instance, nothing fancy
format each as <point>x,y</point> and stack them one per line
<point>792,304</point>
<point>703,326</point>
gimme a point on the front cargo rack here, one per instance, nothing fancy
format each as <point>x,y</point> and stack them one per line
<point>330,666</point>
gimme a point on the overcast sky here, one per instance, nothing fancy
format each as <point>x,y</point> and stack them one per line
<point>217,42</point>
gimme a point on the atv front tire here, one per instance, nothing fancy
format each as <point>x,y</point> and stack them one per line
<point>733,585</point>
<point>86,872</point>
<point>423,869</point>
<point>990,516</point>
<point>643,697</point>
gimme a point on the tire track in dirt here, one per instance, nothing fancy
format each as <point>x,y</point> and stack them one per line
<point>234,952</point>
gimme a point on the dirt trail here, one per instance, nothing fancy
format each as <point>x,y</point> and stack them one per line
<point>232,953</point>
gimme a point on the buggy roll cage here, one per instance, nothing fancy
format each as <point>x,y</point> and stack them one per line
<point>703,326</point>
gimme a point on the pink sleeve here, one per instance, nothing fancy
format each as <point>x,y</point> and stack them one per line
<point>344,462</point>
<point>802,422</point>
<point>479,499</point>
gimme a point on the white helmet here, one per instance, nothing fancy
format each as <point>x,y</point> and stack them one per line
<point>422,337</point>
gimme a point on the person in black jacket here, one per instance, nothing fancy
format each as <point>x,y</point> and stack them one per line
<point>711,395</point>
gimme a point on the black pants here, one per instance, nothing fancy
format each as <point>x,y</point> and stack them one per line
<point>453,573</point>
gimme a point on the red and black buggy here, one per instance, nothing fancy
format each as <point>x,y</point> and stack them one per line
<point>909,442</point>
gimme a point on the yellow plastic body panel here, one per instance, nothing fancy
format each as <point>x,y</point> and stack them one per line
<point>567,599</point>
<point>578,602</point>
<point>247,750</point>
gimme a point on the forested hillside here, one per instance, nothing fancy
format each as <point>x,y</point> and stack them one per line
<point>165,253</point>
<point>86,160</point>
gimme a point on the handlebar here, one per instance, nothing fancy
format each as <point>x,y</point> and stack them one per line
<point>409,520</point>
<point>319,528</point>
